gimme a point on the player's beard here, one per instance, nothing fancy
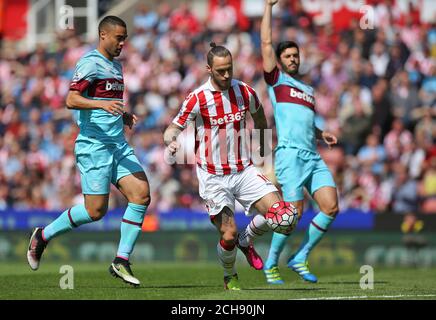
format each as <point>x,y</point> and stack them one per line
<point>223,84</point>
<point>292,71</point>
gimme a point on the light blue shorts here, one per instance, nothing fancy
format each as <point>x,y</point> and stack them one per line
<point>101,164</point>
<point>297,168</point>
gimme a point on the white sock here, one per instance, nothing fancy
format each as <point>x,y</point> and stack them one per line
<point>255,228</point>
<point>227,259</point>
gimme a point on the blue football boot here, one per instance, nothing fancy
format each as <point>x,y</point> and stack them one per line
<point>302,269</point>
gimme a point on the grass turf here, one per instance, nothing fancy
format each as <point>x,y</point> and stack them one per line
<point>203,281</point>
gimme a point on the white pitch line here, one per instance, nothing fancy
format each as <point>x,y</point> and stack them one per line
<point>369,297</point>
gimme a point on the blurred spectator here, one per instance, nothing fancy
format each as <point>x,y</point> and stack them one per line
<point>425,129</point>
<point>428,187</point>
<point>405,192</point>
<point>222,17</point>
<point>356,120</point>
<point>379,59</point>
<point>182,19</point>
<point>413,157</point>
<point>382,106</point>
<point>334,74</point>
<point>428,90</point>
<point>404,97</point>
<point>372,154</point>
<point>396,140</point>
<point>396,60</point>
<point>145,19</point>
<point>164,12</point>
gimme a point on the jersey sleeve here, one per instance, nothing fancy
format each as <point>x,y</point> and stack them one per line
<point>272,77</point>
<point>254,100</point>
<point>188,111</point>
<point>84,74</point>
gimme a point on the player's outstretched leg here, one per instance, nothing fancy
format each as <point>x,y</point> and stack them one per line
<point>130,230</point>
<point>270,268</point>
<point>316,230</point>
<point>257,227</point>
<point>68,220</point>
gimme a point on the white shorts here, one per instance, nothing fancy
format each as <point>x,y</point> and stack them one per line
<point>219,191</point>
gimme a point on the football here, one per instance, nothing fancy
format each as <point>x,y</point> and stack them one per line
<point>282,217</point>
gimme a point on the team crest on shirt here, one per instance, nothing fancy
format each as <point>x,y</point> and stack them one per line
<point>240,101</point>
<point>77,76</point>
<point>189,96</point>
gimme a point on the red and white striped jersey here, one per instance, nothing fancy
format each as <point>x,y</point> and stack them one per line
<point>221,140</point>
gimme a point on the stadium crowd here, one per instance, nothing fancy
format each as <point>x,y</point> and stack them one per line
<point>375,89</point>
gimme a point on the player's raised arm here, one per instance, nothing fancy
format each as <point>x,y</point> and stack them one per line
<point>268,55</point>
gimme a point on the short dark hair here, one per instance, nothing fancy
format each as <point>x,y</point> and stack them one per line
<point>282,46</point>
<point>111,20</point>
<point>218,51</point>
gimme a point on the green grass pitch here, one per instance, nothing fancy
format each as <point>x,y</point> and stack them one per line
<point>203,281</point>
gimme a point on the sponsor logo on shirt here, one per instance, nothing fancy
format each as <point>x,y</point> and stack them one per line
<point>228,118</point>
<point>114,86</point>
<point>302,95</point>
<point>285,93</point>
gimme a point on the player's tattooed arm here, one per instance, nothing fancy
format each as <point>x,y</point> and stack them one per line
<point>170,137</point>
<point>227,217</point>
<point>268,54</point>
<point>329,138</point>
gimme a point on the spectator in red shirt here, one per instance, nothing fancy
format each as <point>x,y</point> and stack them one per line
<point>184,20</point>
<point>223,17</point>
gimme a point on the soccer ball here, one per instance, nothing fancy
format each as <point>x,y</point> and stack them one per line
<point>282,217</point>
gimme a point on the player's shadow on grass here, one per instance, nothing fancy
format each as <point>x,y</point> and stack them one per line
<point>353,282</point>
<point>285,289</point>
<point>180,286</point>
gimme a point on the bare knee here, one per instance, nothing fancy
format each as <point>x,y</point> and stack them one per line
<point>331,210</point>
<point>141,197</point>
<point>96,213</point>
<point>229,236</point>
<point>143,200</point>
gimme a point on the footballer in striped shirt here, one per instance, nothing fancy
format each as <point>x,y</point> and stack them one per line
<point>226,174</point>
